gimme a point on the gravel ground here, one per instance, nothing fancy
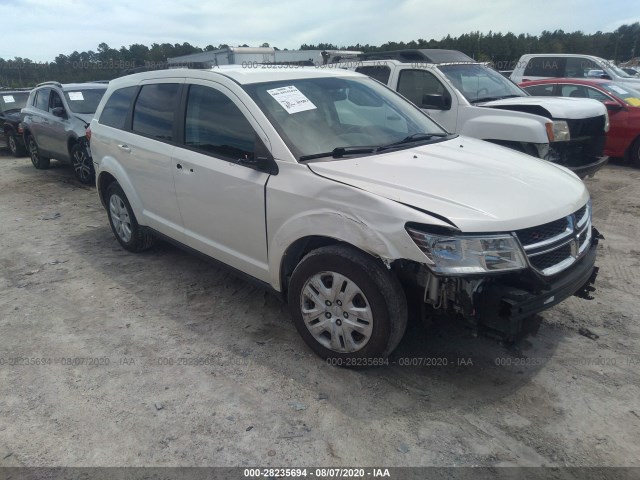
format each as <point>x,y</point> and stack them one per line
<point>161,359</point>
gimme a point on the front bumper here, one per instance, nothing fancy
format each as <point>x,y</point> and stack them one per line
<point>588,170</point>
<point>501,307</point>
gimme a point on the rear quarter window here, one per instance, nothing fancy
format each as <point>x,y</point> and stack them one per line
<point>154,111</point>
<point>115,111</point>
<point>545,67</point>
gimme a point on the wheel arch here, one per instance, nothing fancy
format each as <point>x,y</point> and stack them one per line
<point>304,245</point>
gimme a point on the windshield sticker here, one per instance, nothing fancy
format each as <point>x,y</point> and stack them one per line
<point>634,102</point>
<point>75,96</point>
<point>616,88</point>
<point>8,99</point>
<point>291,99</point>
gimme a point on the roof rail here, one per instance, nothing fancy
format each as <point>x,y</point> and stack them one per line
<point>424,55</point>
<point>57,84</point>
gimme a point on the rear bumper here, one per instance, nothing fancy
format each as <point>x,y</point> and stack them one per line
<point>502,308</point>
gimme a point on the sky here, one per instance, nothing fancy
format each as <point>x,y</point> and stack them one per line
<point>42,29</point>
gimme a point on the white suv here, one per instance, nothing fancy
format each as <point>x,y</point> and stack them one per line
<point>336,192</point>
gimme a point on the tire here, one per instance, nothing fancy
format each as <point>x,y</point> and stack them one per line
<point>40,162</point>
<point>123,222</point>
<point>349,340</point>
<point>634,155</point>
<point>82,164</point>
<point>15,148</point>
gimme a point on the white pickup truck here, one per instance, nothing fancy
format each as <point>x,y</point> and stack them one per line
<point>472,99</point>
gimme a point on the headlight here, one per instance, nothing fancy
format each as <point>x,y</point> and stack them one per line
<point>457,255</point>
<point>558,131</point>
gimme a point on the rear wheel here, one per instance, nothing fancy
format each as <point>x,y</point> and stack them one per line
<point>16,149</point>
<point>40,162</point>
<point>82,163</point>
<point>347,306</point>
<point>123,221</point>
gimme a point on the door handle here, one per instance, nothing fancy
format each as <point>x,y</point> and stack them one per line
<point>124,147</point>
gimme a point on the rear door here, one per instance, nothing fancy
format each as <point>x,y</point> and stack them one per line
<point>222,202</point>
<point>147,153</point>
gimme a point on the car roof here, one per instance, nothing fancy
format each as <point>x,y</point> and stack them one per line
<point>242,75</point>
<point>83,86</point>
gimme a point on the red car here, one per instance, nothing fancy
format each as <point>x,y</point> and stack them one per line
<point>623,105</point>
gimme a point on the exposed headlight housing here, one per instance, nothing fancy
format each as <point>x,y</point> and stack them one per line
<point>461,254</point>
<point>558,131</point>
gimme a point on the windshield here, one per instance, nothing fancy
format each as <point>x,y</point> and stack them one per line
<point>479,83</point>
<point>318,115</point>
<point>627,95</point>
<point>13,101</point>
<point>84,100</point>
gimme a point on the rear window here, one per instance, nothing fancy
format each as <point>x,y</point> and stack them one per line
<point>545,67</point>
<point>154,111</point>
<point>379,72</point>
<point>114,113</point>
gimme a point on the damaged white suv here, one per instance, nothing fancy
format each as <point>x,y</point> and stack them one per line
<point>334,191</point>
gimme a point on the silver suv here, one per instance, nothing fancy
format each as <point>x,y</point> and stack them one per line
<point>55,120</point>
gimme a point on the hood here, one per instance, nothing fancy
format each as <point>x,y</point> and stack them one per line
<point>556,107</point>
<point>478,186</point>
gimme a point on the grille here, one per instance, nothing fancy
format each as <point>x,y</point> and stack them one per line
<point>554,246</point>
<point>586,145</point>
<point>533,235</point>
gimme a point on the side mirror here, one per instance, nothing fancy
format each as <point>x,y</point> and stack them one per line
<point>58,112</point>
<point>605,76</point>
<point>265,164</point>
<point>613,106</point>
<point>436,101</point>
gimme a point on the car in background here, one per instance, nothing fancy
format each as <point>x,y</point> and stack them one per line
<point>473,99</point>
<point>623,105</point>
<point>539,66</point>
<point>55,120</point>
<point>631,71</point>
<point>11,101</point>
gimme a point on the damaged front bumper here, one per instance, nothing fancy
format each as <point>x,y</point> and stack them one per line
<point>502,307</point>
<point>499,305</point>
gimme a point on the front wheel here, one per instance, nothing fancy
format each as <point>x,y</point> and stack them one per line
<point>347,306</point>
<point>635,154</point>
<point>82,163</point>
<point>40,162</point>
<point>123,222</point>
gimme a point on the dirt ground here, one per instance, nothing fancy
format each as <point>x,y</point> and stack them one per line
<point>109,358</point>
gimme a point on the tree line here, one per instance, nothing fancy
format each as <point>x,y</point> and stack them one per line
<point>503,49</point>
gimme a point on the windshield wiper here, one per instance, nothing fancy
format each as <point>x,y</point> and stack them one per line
<point>416,137</point>
<point>339,152</point>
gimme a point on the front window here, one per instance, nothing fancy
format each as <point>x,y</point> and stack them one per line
<point>479,83</point>
<point>13,101</point>
<point>318,115</point>
<point>84,101</point>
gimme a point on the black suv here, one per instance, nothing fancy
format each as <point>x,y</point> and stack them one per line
<point>11,101</point>
<point>55,120</point>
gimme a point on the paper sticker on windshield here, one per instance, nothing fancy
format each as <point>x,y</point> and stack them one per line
<point>634,102</point>
<point>75,96</point>
<point>616,88</point>
<point>8,99</point>
<point>291,99</point>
